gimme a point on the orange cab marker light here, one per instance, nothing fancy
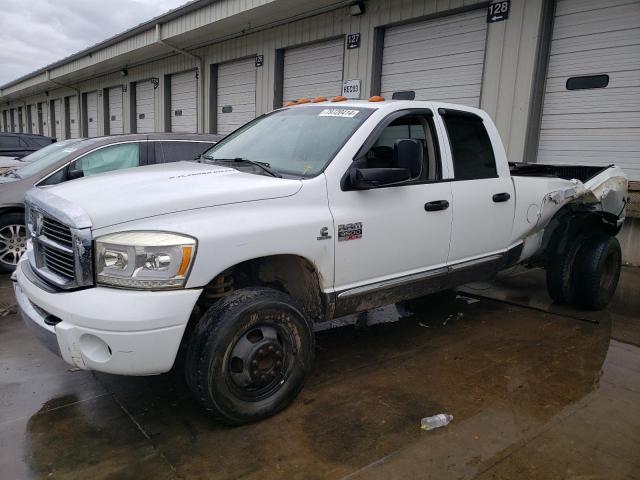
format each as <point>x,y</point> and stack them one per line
<point>339,98</point>
<point>290,104</point>
<point>303,100</point>
<point>319,99</point>
<point>186,259</point>
<point>376,98</point>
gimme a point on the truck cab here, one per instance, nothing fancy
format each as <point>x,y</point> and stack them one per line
<point>313,211</point>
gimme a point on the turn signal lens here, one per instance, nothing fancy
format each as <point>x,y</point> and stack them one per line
<point>339,98</point>
<point>303,100</point>
<point>319,99</point>
<point>376,98</point>
<point>186,259</point>
<point>290,104</point>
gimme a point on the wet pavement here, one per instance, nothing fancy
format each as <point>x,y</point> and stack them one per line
<point>536,392</point>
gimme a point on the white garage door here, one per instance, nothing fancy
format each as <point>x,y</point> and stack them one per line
<point>184,102</point>
<point>145,107</point>
<point>313,70</point>
<point>441,59</point>
<point>4,120</point>
<point>116,125</point>
<point>590,125</point>
<point>92,114</point>
<point>74,124</point>
<point>32,120</point>
<point>44,113</point>
<point>59,119</point>
<point>236,94</point>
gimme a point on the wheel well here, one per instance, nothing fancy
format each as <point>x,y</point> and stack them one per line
<point>14,209</point>
<point>569,223</point>
<point>292,274</point>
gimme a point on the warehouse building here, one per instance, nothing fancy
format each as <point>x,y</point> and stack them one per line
<point>561,78</point>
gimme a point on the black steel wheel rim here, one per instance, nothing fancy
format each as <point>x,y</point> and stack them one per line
<point>259,361</point>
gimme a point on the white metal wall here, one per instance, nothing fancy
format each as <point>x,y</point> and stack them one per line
<point>92,114</point>
<point>440,59</point>
<point>145,107</point>
<point>596,126</point>
<point>116,117</point>
<point>74,121</point>
<point>236,94</point>
<point>313,70</point>
<point>184,102</point>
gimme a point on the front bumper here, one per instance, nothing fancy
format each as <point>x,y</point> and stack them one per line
<point>108,330</point>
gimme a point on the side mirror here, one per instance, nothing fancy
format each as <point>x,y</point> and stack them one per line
<point>408,153</point>
<point>366,178</point>
<point>74,174</point>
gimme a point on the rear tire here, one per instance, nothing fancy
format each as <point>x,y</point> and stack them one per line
<point>13,240</point>
<point>249,355</point>
<point>560,269</point>
<point>596,272</point>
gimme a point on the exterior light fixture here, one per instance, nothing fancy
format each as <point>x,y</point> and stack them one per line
<point>356,9</point>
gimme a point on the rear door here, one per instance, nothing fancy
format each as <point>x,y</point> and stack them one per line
<point>483,193</point>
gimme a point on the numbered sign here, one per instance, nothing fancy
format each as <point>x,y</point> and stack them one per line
<point>351,89</point>
<point>353,41</point>
<point>498,11</point>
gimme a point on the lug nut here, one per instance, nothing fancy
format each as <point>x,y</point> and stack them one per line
<point>271,348</point>
<point>254,362</point>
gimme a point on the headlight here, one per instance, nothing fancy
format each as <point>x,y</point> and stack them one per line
<point>145,260</point>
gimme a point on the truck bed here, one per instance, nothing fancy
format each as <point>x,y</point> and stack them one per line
<point>566,172</point>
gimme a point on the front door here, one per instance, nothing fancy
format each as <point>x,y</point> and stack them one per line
<point>395,231</point>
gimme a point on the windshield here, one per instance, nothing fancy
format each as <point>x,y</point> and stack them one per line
<point>297,141</point>
<point>45,157</point>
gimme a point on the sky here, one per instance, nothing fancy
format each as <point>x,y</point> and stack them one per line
<point>35,33</point>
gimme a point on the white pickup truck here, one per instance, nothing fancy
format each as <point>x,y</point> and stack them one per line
<point>308,213</point>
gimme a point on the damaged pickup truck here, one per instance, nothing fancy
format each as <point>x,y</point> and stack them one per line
<point>305,214</point>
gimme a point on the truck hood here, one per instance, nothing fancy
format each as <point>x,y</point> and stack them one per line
<point>142,192</point>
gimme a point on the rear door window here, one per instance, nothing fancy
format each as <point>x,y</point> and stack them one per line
<point>9,141</point>
<point>471,147</point>
<point>167,152</point>
<point>113,157</point>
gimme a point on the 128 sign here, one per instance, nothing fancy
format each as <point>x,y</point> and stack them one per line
<point>498,11</point>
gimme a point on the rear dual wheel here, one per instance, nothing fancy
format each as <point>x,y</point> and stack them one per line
<point>586,273</point>
<point>249,355</point>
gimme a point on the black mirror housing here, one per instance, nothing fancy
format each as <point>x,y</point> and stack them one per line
<point>408,153</point>
<point>367,178</point>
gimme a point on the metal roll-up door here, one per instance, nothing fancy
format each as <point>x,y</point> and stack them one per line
<point>440,59</point>
<point>59,119</point>
<point>4,120</point>
<point>74,122</point>
<point>236,94</point>
<point>591,110</point>
<point>184,102</point>
<point>313,70</point>
<point>116,125</point>
<point>32,119</point>
<point>44,116</point>
<point>145,107</point>
<point>21,116</point>
<point>92,114</point>
<point>14,119</point>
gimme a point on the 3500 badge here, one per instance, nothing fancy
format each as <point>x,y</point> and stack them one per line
<point>349,231</point>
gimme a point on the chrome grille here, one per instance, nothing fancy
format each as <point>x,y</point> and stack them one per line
<point>57,232</point>
<point>59,262</point>
<point>61,250</point>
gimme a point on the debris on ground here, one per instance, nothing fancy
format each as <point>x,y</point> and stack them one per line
<point>435,421</point>
<point>467,300</point>
<point>424,325</point>
<point>453,316</point>
<point>7,309</point>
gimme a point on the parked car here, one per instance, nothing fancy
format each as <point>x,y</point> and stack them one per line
<point>18,145</point>
<point>77,158</point>
<point>302,215</point>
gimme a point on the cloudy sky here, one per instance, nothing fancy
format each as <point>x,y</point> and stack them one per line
<point>35,33</point>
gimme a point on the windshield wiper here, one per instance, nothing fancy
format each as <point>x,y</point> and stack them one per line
<point>262,165</point>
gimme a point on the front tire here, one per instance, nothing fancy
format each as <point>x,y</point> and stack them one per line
<point>596,272</point>
<point>249,355</point>
<point>13,240</point>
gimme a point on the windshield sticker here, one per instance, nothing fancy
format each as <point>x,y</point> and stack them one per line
<point>338,112</point>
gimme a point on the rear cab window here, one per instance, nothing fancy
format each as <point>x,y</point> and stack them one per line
<point>176,151</point>
<point>471,148</point>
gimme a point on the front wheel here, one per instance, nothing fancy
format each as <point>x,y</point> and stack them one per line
<point>249,355</point>
<point>13,240</point>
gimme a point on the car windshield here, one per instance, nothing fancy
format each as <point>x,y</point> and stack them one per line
<point>44,158</point>
<point>298,141</point>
